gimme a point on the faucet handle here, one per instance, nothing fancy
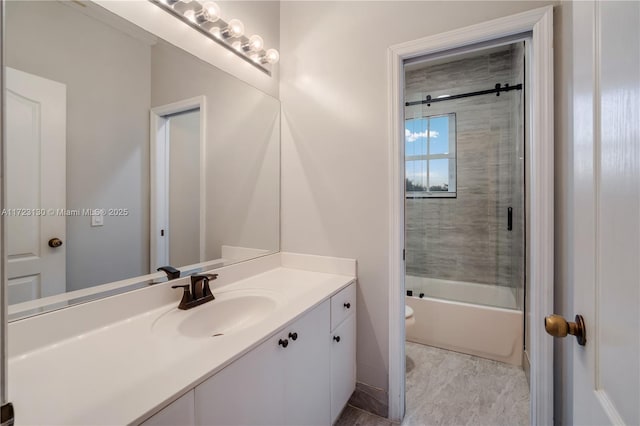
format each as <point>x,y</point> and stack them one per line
<point>206,277</point>
<point>185,286</point>
<point>205,291</point>
<point>186,295</point>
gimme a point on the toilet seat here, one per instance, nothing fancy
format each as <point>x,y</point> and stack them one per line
<point>408,312</point>
<point>409,320</point>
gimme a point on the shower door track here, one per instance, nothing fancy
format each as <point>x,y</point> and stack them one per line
<point>498,88</point>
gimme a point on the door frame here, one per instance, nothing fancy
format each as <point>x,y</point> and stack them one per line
<point>159,181</point>
<point>540,166</point>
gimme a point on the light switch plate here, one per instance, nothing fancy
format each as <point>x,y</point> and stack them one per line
<point>97,220</point>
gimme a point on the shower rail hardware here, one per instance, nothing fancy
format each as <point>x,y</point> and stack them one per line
<point>497,89</point>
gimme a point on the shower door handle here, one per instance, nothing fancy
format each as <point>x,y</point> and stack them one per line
<point>509,219</point>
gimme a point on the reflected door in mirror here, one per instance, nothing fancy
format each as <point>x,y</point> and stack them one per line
<point>178,198</point>
<point>36,175</point>
<point>184,189</point>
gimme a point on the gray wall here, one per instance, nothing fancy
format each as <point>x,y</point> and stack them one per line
<point>335,138</point>
<point>243,153</point>
<point>106,72</point>
<point>466,238</point>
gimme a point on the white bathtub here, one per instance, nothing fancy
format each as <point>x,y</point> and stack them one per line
<point>467,325</point>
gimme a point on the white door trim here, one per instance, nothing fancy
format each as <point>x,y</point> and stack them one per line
<point>538,22</point>
<point>159,249</point>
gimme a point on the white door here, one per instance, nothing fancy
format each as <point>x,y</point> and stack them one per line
<point>343,365</point>
<point>35,185</point>
<point>250,391</point>
<point>606,375</point>
<point>306,364</point>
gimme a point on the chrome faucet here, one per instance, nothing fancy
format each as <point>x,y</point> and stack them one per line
<point>199,293</point>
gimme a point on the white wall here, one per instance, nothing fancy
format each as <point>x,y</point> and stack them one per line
<point>334,138</point>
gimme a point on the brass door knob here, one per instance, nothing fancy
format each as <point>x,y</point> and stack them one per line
<point>55,242</point>
<point>557,326</point>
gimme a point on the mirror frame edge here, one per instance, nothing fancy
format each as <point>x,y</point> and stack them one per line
<point>3,263</point>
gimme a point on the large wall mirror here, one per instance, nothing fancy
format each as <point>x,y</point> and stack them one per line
<point>125,153</point>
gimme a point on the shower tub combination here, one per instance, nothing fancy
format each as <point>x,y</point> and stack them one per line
<point>476,319</point>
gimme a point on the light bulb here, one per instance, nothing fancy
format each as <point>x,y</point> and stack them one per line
<point>255,43</point>
<point>272,56</point>
<point>235,28</point>
<point>190,15</point>
<point>210,12</point>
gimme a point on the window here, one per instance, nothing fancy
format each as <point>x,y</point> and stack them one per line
<point>430,156</point>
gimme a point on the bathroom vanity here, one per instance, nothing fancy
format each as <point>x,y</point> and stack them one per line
<point>276,346</point>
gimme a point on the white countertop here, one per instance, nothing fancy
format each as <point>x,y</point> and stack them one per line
<point>122,372</point>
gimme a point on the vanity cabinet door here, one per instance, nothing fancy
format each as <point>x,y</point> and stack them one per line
<point>179,412</point>
<point>250,391</point>
<point>343,365</point>
<point>306,369</point>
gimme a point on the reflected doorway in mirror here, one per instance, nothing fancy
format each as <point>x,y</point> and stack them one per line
<point>178,200</point>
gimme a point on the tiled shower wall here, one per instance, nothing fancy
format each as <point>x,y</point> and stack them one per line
<point>466,238</point>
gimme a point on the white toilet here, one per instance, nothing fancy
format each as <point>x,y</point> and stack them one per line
<point>409,319</point>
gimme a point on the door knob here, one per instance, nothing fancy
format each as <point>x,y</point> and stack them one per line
<point>55,242</point>
<point>557,326</point>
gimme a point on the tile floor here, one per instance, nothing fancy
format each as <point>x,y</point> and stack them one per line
<point>449,388</point>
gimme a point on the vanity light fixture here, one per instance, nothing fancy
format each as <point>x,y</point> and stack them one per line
<point>205,17</point>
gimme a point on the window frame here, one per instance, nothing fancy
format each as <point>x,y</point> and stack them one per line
<point>452,156</point>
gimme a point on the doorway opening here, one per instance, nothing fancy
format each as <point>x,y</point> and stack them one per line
<point>465,229</point>
<point>536,26</point>
<point>178,201</point>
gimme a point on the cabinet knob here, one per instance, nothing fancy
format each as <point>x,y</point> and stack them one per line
<point>336,338</point>
<point>347,305</point>
<point>284,343</point>
<point>293,336</point>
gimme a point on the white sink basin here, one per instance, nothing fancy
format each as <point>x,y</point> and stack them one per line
<point>230,312</point>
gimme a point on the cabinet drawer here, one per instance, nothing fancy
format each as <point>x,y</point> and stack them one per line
<point>343,304</point>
